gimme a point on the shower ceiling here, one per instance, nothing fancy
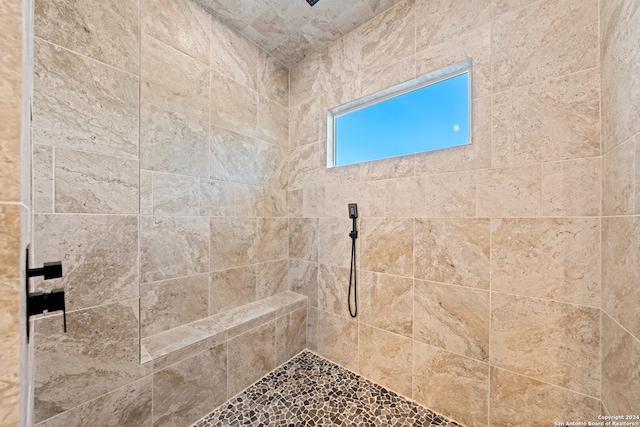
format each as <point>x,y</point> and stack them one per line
<point>290,30</point>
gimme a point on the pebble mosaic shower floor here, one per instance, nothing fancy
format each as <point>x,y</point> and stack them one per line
<point>311,391</point>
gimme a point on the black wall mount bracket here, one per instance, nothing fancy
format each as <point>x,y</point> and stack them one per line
<point>39,302</point>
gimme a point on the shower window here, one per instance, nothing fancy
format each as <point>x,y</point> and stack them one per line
<point>430,112</point>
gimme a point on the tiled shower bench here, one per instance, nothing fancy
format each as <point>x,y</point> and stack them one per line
<point>200,365</point>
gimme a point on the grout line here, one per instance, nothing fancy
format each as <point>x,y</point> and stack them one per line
<point>138,255</point>
<point>53,179</point>
<point>545,80</point>
<point>637,339</point>
<point>95,153</point>
<point>544,382</point>
<point>75,53</point>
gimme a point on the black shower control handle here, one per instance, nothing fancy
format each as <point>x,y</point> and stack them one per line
<point>50,270</point>
<point>39,302</point>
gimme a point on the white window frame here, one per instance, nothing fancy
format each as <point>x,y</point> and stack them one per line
<point>420,82</point>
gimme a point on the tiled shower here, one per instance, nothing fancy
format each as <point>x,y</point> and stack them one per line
<point>179,173</point>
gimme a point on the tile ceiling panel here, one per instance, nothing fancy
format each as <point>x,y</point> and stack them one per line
<point>290,30</point>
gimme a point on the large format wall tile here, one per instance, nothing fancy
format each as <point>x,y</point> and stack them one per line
<point>333,287</point>
<point>304,123</point>
<point>554,120</point>
<point>188,390</point>
<point>42,171</point>
<point>106,31</point>
<point>306,79</point>
<point>173,80</point>
<point>387,245</point>
<point>221,198</point>
<point>442,20</point>
<point>167,21</point>
<point>454,251</point>
<point>451,195</point>
<point>390,33</point>
<point>93,183</point>
<point>128,406</point>
<point>271,278</point>
<point>514,191</point>
<point>450,384</point>
<point>10,310</point>
<point>405,198</point>
<point>273,79</point>
<point>233,106</point>
<point>11,81</point>
<point>614,17</point>
<point>385,358</point>
<point>303,239</point>
<point>501,6</point>
<point>618,180</point>
<point>172,247</point>
<point>550,38</point>
<point>572,187</point>
<point>291,335</point>
<point>271,239</point>
<point>175,195</point>
<point>338,339</point>
<point>334,242</point>
<point>386,302</point>
<point>172,142</point>
<point>620,368</point>
<point>557,259</point>
<point>67,374</point>
<point>453,318</point>
<point>272,122</point>
<point>305,163</point>
<point>232,288</point>
<point>82,104</point>
<point>99,256</point>
<point>620,81</point>
<point>238,158</point>
<point>620,266</point>
<point>233,242</point>
<point>251,355</point>
<point>171,303</point>
<point>340,62</point>
<point>303,279</point>
<point>540,339</point>
<point>233,55</point>
<point>516,400</point>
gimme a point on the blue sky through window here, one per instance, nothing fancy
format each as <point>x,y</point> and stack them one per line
<point>429,118</point>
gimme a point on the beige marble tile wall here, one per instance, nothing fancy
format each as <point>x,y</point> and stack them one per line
<point>479,265</point>
<point>620,59</point>
<point>12,211</point>
<point>160,142</point>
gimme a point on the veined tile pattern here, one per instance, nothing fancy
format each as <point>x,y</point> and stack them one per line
<point>91,248</point>
<point>557,259</point>
<point>560,37</point>
<point>82,104</point>
<point>109,331</point>
<point>166,21</point>
<point>533,337</point>
<point>107,32</point>
<point>10,314</point>
<point>93,183</point>
<point>310,390</point>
